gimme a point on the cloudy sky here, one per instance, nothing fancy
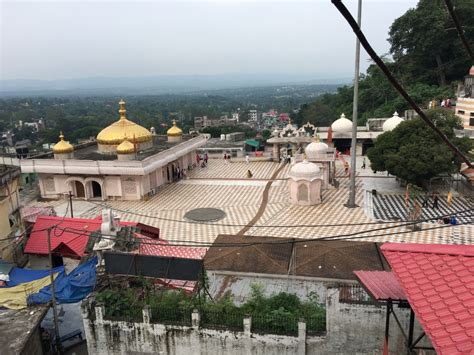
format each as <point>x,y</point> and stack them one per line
<point>68,39</point>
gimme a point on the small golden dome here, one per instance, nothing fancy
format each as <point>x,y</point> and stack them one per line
<point>118,131</point>
<point>126,147</point>
<point>62,147</point>
<point>174,131</point>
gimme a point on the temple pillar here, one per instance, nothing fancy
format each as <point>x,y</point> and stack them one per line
<point>276,152</point>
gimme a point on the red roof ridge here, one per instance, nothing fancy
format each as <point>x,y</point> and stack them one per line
<point>445,249</point>
<point>68,219</point>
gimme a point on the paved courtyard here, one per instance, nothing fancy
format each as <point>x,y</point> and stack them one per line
<point>225,186</point>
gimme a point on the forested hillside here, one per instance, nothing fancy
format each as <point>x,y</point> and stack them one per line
<point>426,56</point>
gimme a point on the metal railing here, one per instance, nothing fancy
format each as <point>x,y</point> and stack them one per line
<point>222,319</point>
<point>129,314</point>
<point>271,324</point>
<point>170,315</point>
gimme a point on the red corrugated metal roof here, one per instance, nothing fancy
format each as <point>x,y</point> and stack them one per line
<point>382,285</point>
<point>438,281</point>
<point>159,247</point>
<point>63,242</point>
<point>76,243</point>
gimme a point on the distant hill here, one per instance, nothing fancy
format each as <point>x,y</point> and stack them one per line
<point>169,84</point>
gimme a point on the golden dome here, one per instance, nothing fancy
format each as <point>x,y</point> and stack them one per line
<point>118,131</point>
<point>174,131</point>
<point>126,147</point>
<point>62,147</point>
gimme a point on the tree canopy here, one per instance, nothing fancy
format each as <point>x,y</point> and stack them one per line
<point>427,57</point>
<point>425,44</point>
<point>414,152</point>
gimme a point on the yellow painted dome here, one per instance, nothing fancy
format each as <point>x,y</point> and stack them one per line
<point>118,131</point>
<point>174,131</point>
<point>62,147</point>
<point>126,147</point>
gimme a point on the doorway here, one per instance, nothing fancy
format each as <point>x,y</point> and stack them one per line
<point>96,189</point>
<point>79,189</point>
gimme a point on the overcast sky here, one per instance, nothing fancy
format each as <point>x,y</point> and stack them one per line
<point>67,39</point>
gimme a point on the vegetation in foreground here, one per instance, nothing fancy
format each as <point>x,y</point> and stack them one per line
<point>278,313</point>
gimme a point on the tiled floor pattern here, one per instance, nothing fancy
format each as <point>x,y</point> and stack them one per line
<point>240,199</point>
<point>392,207</point>
<point>219,169</point>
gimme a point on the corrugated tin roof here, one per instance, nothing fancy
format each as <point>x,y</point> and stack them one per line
<point>333,259</point>
<point>438,281</point>
<point>382,285</point>
<point>75,243</point>
<point>155,247</point>
<point>66,240</point>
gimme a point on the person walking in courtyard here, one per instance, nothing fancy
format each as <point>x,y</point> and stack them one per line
<point>363,163</point>
<point>198,159</point>
<point>225,158</point>
<point>346,167</point>
<point>206,157</point>
<point>249,174</point>
<point>425,200</point>
<point>435,202</point>
<point>247,159</point>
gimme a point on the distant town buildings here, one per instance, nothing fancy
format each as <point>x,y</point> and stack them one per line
<point>204,121</point>
<point>253,116</point>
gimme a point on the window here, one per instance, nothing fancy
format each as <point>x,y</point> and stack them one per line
<point>460,112</point>
<point>471,121</point>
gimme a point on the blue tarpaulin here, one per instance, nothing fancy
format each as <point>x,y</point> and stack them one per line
<point>70,288</point>
<point>18,275</point>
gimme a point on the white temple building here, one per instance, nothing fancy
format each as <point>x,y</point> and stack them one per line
<point>127,162</point>
<point>304,183</point>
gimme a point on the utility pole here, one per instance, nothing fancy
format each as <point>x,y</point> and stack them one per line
<point>70,204</point>
<point>53,296</point>
<point>352,191</point>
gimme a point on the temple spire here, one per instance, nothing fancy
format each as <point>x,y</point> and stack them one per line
<point>122,109</point>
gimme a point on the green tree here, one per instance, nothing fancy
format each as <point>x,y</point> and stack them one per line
<point>425,45</point>
<point>415,153</point>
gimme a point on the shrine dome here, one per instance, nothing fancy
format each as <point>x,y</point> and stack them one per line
<point>392,122</point>
<point>118,131</point>
<point>342,124</point>
<point>126,147</point>
<point>174,131</point>
<point>316,148</point>
<point>305,171</point>
<point>62,147</point>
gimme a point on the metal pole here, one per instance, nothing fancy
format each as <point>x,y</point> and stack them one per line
<point>70,204</point>
<point>53,295</point>
<point>387,325</point>
<point>352,191</point>
<point>410,331</point>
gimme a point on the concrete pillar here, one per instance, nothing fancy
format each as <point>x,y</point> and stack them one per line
<point>99,312</point>
<point>276,152</point>
<point>247,325</point>
<point>146,314</point>
<point>301,337</point>
<point>195,318</point>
